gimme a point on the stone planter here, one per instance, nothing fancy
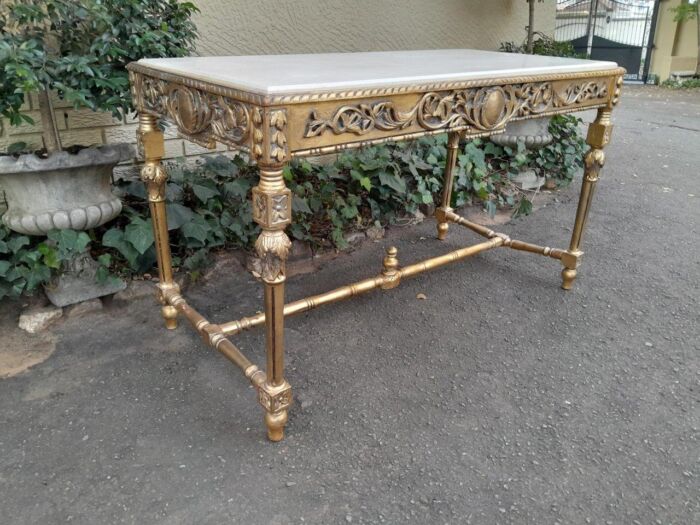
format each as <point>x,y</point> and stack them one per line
<point>63,191</point>
<point>534,133</point>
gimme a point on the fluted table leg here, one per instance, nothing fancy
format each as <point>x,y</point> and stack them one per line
<point>598,137</point>
<point>450,163</point>
<point>153,174</point>
<point>272,209</point>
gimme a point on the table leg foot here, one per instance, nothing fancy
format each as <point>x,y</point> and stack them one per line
<point>275,425</point>
<point>170,316</point>
<point>568,277</point>
<point>275,400</point>
<point>442,229</point>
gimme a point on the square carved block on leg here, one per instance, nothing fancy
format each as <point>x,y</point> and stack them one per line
<point>275,399</point>
<point>571,261</point>
<point>599,134</point>
<point>272,210</point>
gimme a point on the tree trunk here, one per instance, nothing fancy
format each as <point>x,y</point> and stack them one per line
<point>49,133</point>
<point>531,26</point>
<point>697,64</point>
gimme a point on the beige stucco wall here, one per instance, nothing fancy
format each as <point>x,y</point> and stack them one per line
<point>306,26</point>
<point>675,43</point>
<point>234,27</point>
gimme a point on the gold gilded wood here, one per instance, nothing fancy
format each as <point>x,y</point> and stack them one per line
<point>483,108</point>
<point>389,278</point>
<point>151,144</point>
<point>276,128</point>
<point>473,111</point>
<point>507,241</point>
<point>214,337</point>
<point>272,210</point>
<point>598,137</point>
<point>450,163</point>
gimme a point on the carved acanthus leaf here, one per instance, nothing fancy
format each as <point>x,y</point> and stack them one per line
<point>272,248</point>
<point>154,176</point>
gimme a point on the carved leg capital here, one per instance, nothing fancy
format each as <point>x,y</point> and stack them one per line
<point>272,248</point>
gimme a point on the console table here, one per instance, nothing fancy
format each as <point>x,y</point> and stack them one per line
<point>280,107</point>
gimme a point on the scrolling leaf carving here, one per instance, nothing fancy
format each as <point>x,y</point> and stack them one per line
<point>482,108</point>
<point>198,114</point>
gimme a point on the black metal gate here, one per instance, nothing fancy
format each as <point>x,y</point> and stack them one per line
<point>617,30</point>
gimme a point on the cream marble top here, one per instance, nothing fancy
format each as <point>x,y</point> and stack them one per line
<point>315,73</point>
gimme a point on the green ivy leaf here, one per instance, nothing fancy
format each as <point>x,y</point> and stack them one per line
<point>238,188</point>
<point>17,147</point>
<point>524,207</point>
<point>139,235</point>
<point>197,229</point>
<point>50,255</point>
<point>178,215</point>
<point>16,243</point>
<point>392,181</point>
<point>105,260</point>
<point>204,192</point>
<point>300,205</point>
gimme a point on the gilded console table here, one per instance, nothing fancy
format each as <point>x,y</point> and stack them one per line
<point>280,107</point>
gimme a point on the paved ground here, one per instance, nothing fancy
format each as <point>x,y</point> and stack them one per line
<point>498,399</point>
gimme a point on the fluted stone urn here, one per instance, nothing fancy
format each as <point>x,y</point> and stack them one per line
<point>62,191</point>
<point>534,133</point>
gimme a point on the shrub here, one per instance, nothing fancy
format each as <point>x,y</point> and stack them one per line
<point>208,203</point>
<point>27,263</point>
<point>80,50</point>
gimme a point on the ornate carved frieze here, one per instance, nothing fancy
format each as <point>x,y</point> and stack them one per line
<point>202,116</point>
<point>481,108</point>
<point>276,128</point>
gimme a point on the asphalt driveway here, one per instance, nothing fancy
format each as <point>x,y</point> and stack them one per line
<point>498,398</point>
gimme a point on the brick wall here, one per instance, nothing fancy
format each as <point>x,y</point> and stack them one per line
<point>87,128</point>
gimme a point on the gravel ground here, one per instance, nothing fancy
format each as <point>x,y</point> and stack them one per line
<point>497,399</point>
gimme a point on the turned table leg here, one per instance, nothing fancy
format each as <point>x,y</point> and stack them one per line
<point>154,177</point>
<point>450,163</point>
<point>598,137</point>
<point>272,209</point>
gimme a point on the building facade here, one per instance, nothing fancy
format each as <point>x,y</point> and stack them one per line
<point>675,43</point>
